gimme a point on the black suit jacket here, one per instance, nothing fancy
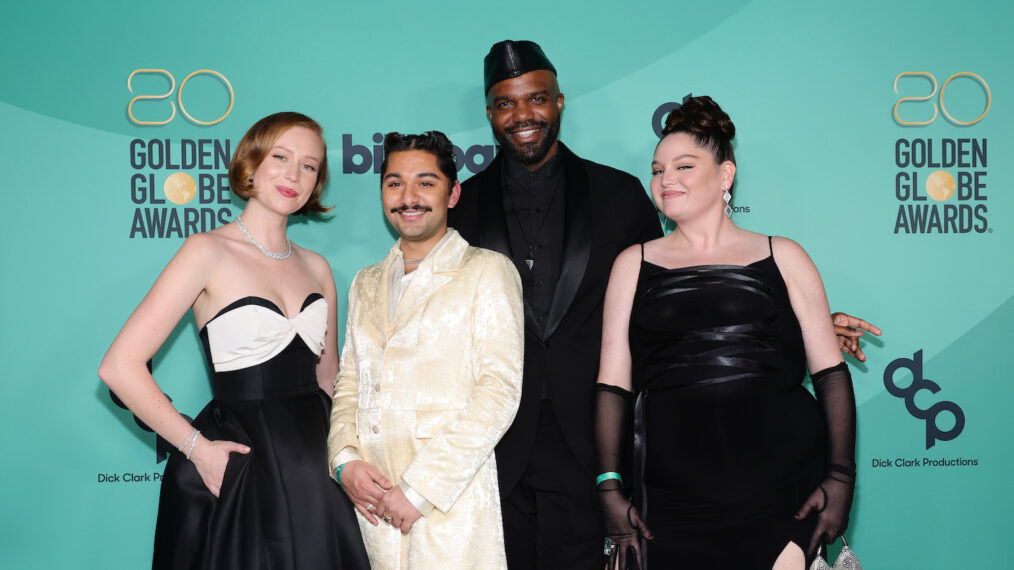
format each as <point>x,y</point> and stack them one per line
<point>607,210</point>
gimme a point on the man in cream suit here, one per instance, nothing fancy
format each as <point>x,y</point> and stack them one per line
<point>430,376</point>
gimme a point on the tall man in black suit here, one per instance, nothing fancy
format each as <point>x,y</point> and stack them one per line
<point>563,220</point>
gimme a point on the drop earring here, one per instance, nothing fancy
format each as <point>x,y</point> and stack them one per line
<point>727,197</point>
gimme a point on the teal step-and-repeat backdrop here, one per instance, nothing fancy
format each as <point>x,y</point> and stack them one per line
<point>878,134</point>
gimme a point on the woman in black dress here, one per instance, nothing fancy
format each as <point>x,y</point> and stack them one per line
<point>249,488</point>
<point>712,327</point>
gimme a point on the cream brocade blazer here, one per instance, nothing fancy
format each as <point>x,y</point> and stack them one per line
<point>426,395</point>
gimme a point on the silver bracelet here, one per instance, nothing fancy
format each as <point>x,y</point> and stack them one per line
<point>191,442</point>
<point>191,450</point>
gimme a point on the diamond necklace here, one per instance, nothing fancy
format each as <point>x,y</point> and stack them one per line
<point>264,250</point>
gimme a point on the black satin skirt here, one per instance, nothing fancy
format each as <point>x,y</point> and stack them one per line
<point>278,508</point>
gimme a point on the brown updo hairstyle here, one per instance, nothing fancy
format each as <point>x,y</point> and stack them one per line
<point>711,128</point>
<point>254,148</point>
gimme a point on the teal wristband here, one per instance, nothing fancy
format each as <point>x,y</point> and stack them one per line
<point>607,476</point>
<point>338,473</point>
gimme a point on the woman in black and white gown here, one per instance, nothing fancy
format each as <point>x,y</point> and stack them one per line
<point>249,487</point>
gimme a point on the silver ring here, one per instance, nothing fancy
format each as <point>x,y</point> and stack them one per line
<point>608,548</point>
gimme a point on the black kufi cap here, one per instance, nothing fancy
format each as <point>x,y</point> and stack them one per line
<point>509,58</point>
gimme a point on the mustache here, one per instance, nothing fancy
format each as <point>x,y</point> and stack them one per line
<point>414,207</point>
<point>531,123</point>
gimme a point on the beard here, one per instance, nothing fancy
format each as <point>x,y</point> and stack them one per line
<point>533,152</point>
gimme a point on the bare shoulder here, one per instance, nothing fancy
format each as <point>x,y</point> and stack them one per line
<point>750,239</point>
<point>793,261</point>
<point>315,261</point>
<point>789,251</point>
<point>318,267</point>
<point>202,240</point>
<point>626,270</point>
<point>630,257</point>
<point>202,247</point>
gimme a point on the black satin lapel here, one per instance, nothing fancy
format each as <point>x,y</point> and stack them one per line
<point>491,218</point>
<point>530,321</point>
<point>576,242</point>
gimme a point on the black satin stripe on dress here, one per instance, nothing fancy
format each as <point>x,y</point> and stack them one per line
<point>726,322</point>
<point>728,444</point>
<point>278,508</point>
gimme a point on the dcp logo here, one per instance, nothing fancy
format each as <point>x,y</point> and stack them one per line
<point>931,414</point>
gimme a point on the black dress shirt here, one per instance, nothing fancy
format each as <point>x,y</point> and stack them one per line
<point>533,204</point>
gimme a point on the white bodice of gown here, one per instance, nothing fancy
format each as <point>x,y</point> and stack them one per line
<point>251,334</point>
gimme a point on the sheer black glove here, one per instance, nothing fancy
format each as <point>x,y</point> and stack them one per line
<point>832,499</point>
<point>624,529</point>
<point>623,523</point>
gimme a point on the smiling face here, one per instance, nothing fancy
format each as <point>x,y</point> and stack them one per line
<point>525,114</point>
<point>286,177</point>
<point>685,180</point>
<point>416,196</point>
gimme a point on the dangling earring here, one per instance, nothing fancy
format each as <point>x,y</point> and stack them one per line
<point>727,197</point>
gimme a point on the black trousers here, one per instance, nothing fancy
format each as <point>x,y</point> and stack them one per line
<point>551,518</point>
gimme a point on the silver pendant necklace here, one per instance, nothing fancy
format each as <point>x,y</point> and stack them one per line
<point>530,257</point>
<point>264,250</point>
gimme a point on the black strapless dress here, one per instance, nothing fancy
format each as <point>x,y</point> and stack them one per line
<point>728,444</point>
<point>278,507</point>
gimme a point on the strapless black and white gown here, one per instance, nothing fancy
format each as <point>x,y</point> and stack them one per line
<point>278,507</point>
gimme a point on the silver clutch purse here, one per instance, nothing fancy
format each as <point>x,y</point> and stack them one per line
<point>846,559</point>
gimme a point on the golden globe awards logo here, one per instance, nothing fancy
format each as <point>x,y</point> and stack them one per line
<point>941,183</point>
<point>179,186</point>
